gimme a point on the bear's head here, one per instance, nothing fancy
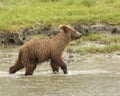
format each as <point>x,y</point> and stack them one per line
<point>70,32</point>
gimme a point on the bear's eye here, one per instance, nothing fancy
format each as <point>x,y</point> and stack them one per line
<point>74,31</point>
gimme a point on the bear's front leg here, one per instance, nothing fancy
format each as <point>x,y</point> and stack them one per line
<point>55,67</point>
<point>58,60</point>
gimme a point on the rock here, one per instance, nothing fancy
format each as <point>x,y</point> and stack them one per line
<point>81,28</point>
<point>71,56</point>
<point>100,28</point>
<point>70,61</point>
<point>11,38</point>
<point>116,30</point>
<point>118,53</point>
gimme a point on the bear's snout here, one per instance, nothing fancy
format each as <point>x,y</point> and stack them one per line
<point>78,35</point>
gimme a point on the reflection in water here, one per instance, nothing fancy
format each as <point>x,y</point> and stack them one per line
<point>93,75</point>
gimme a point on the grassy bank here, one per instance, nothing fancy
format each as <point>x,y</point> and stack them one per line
<point>15,14</point>
<point>96,43</point>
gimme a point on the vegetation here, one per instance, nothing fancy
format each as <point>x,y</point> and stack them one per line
<point>15,14</point>
<point>37,36</point>
<point>96,43</point>
<point>97,49</point>
<point>100,38</point>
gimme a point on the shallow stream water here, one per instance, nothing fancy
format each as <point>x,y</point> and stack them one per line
<point>89,75</point>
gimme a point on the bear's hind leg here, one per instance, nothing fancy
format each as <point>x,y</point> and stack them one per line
<point>55,67</point>
<point>30,69</point>
<point>16,67</point>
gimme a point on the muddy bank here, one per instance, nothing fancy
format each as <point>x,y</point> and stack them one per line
<point>25,34</point>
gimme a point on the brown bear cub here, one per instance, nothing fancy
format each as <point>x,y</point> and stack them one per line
<point>39,50</point>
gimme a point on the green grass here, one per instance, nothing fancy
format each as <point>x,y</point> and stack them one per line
<point>15,14</point>
<point>100,38</point>
<point>37,36</point>
<point>96,49</point>
<point>96,43</point>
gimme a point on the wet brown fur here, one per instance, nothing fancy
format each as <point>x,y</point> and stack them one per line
<point>39,50</point>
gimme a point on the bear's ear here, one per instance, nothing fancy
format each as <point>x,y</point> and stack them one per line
<point>64,28</point>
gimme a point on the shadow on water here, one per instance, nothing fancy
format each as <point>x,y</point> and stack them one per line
<point>92,75</point>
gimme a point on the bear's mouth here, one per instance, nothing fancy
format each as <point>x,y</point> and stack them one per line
<point>77,37</point>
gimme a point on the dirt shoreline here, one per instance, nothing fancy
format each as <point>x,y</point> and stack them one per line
<point>25,34</point>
